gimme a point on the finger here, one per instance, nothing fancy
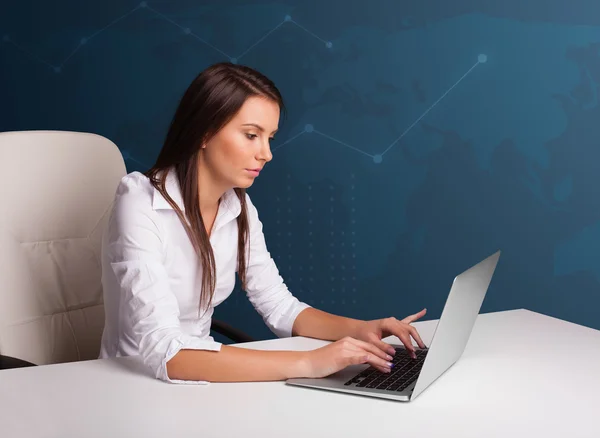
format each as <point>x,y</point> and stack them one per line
<point>414,317</point>
<point>360,357</point>
<point>384,346</point>
<point>402,331</point>
<point>385,370</point>
<point>379,364</point>
<point>361,347</point>
<point>415,334</point>
<point>405,338</point>
<point>376,350</point>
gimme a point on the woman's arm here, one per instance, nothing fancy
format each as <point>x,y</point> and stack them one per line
<point>233,364</point>
<point>258,365</point>
<point>135,277</point>
<point>314,323</point>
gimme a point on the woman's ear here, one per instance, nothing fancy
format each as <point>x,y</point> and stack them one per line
<point>204,141</point>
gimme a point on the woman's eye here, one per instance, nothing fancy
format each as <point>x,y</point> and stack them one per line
<point>251,136</point>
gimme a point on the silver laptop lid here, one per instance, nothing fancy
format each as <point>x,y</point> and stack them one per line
<point>456,322</point>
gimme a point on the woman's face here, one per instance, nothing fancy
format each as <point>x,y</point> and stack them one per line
<point>237,153</point>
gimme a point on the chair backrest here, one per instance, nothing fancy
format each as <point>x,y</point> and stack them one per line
<point>56,193</point>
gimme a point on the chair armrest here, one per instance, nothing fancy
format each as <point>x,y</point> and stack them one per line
<point>231,332</point>
<point>7,362</point>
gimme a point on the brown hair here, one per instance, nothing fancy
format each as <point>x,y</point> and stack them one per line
<point>209,103</point>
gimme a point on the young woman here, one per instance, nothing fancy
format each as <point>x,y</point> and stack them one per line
<point>179,233</point>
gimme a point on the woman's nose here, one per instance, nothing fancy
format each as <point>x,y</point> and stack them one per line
<point>265,152</point>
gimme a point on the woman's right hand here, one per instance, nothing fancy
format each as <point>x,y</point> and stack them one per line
<point>336,356</point>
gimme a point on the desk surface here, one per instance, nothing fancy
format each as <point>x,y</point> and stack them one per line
<point>522,374</point>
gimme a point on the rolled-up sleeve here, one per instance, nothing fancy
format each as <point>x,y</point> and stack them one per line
<point>265,287</point>
<point>135,253</point>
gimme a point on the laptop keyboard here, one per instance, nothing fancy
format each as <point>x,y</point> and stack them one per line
<point>404,372</point>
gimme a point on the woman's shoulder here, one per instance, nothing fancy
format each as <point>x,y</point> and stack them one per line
<point>132,206</point>
<point>134,192</point>
<point>135,184</point>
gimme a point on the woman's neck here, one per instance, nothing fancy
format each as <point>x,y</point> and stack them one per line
<point>209,192</point>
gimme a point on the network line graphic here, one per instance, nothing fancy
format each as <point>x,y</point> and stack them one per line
<point>57,68</point>
<point>308,128</point>
<point>378,158</point>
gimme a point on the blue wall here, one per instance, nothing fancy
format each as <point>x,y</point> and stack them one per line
<point>421,136</point>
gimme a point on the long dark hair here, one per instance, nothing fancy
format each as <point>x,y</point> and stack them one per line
<point>209,103</point>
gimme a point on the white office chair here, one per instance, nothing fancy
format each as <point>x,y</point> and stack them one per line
<point>56,192</point>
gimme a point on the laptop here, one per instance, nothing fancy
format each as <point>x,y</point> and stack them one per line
<point>410,377</point>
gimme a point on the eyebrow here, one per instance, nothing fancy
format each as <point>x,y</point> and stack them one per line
<point>257,126</point>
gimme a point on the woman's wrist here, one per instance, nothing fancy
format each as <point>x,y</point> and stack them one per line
<point>356,326</point>
<point>299,366</point>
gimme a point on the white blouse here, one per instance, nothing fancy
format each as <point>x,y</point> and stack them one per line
<point>152,277</point>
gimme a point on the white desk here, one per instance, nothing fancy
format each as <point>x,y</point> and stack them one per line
<point>522,374</point>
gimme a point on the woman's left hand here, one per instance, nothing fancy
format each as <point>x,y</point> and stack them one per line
<point>374,331</point>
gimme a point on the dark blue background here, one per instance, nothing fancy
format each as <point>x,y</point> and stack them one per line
<point>421,136</point>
